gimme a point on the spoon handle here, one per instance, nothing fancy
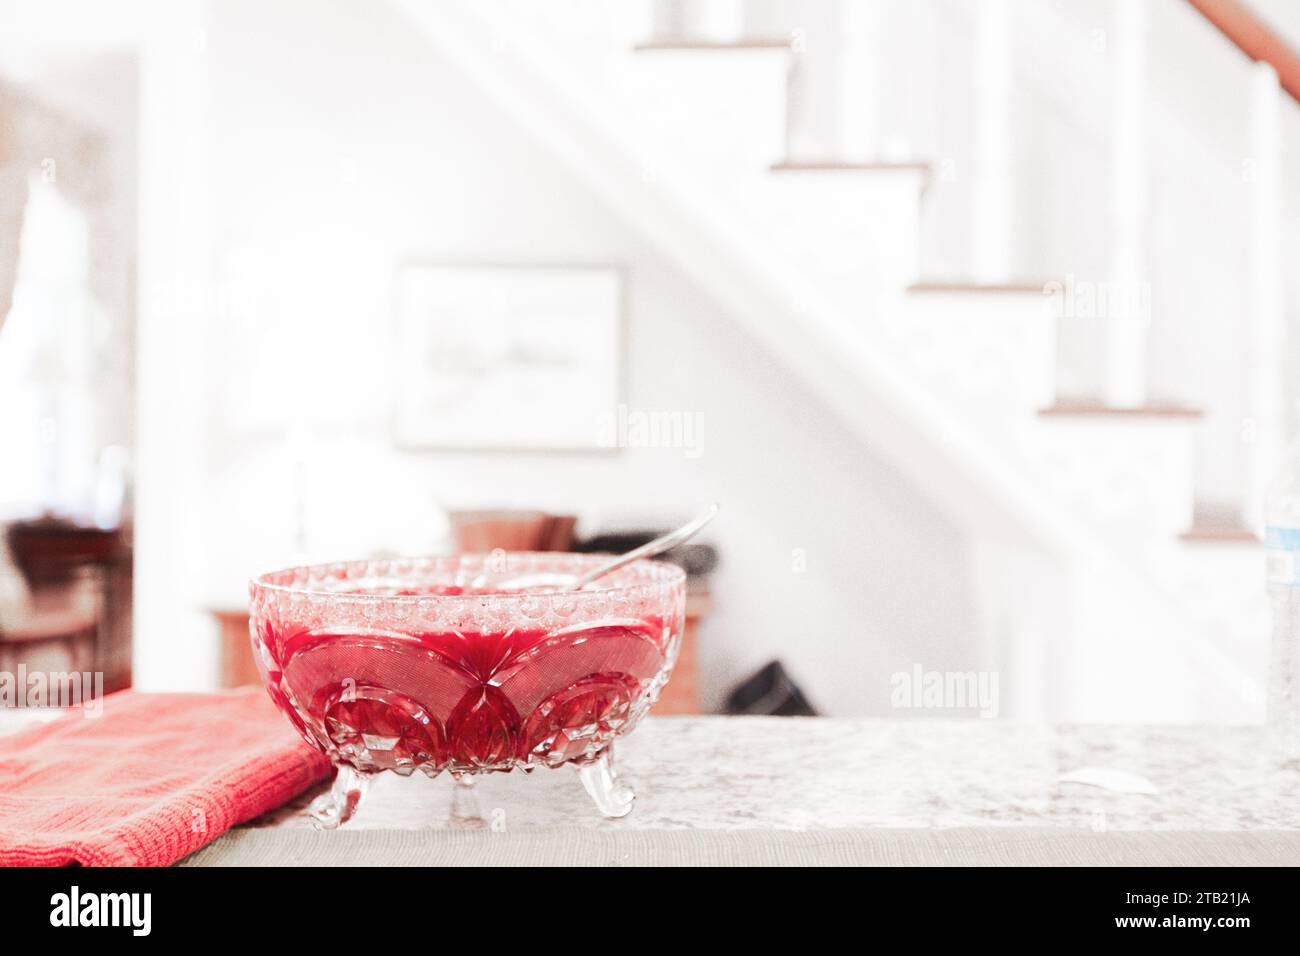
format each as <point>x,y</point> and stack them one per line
<point>660,544</point>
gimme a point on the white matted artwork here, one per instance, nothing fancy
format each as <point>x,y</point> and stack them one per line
<point>507,357</point>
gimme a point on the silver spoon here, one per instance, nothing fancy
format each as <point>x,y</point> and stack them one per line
<point>570,582</point>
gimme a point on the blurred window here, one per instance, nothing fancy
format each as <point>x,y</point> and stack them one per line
<point>48,345</point>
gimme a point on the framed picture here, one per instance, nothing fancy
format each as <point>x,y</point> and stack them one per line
<point>507,357</point>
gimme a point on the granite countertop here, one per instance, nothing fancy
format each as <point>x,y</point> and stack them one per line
<point>752,773</point>
<point>767,790</point>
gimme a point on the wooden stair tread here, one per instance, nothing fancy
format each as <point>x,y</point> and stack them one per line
<point>847,166</point>
<point>757,43</point>
<point>1023,286</point>
<point>1219,534</point>
<point>1096,409</point>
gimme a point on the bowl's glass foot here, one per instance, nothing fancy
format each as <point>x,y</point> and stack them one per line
<point>465,810</point>
<point>612,797</point>
<point>336,807</point>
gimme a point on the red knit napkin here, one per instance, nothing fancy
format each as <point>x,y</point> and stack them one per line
<point>149,780</point>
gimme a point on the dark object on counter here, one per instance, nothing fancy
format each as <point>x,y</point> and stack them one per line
<point>770,693</point>
<point>696,559</point>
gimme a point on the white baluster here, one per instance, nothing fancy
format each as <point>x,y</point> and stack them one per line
<point>1267,422</point>
<point>858,55</point>
<point>719,21</point>
<point>667,19</point>
<point>830,80</point>
<point>1128,323</point>
<point>991,198</point>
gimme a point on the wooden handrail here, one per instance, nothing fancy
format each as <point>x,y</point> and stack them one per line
<point>1255,38</point>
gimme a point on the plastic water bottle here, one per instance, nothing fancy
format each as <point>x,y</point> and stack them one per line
<point>1282,538</point>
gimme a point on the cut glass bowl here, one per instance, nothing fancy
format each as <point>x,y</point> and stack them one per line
<point>428,664</point>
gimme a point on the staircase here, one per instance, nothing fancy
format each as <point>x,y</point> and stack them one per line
<point>1107,594</point>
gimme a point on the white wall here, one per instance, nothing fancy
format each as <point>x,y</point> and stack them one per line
<point>338,146</point>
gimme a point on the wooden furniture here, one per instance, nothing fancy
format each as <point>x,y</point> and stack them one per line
<point>237,665</point>
<point>76,569</point>
<point>681,696</point>
<point>48,641</point>
<point>485,531</point>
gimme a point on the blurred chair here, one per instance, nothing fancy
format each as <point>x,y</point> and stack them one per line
<point>75,573</point>
<point>48,641</point>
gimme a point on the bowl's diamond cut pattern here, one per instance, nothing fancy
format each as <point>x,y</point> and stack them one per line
<point>484,730</point>
<point>383,730</point>
<point>397,666</point>
<point>581,720</point>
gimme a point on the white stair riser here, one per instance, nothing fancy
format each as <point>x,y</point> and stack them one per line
<point>1083,642</point>
<point>723,112</point>
<point>1124,664</point>
<point>1132,476</point>
<point>1225,585</point>
<point>842,226</point>
<point>1139,670</point>
<point>993,354</point>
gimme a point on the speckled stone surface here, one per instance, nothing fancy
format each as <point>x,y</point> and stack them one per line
<point>736,773</point>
